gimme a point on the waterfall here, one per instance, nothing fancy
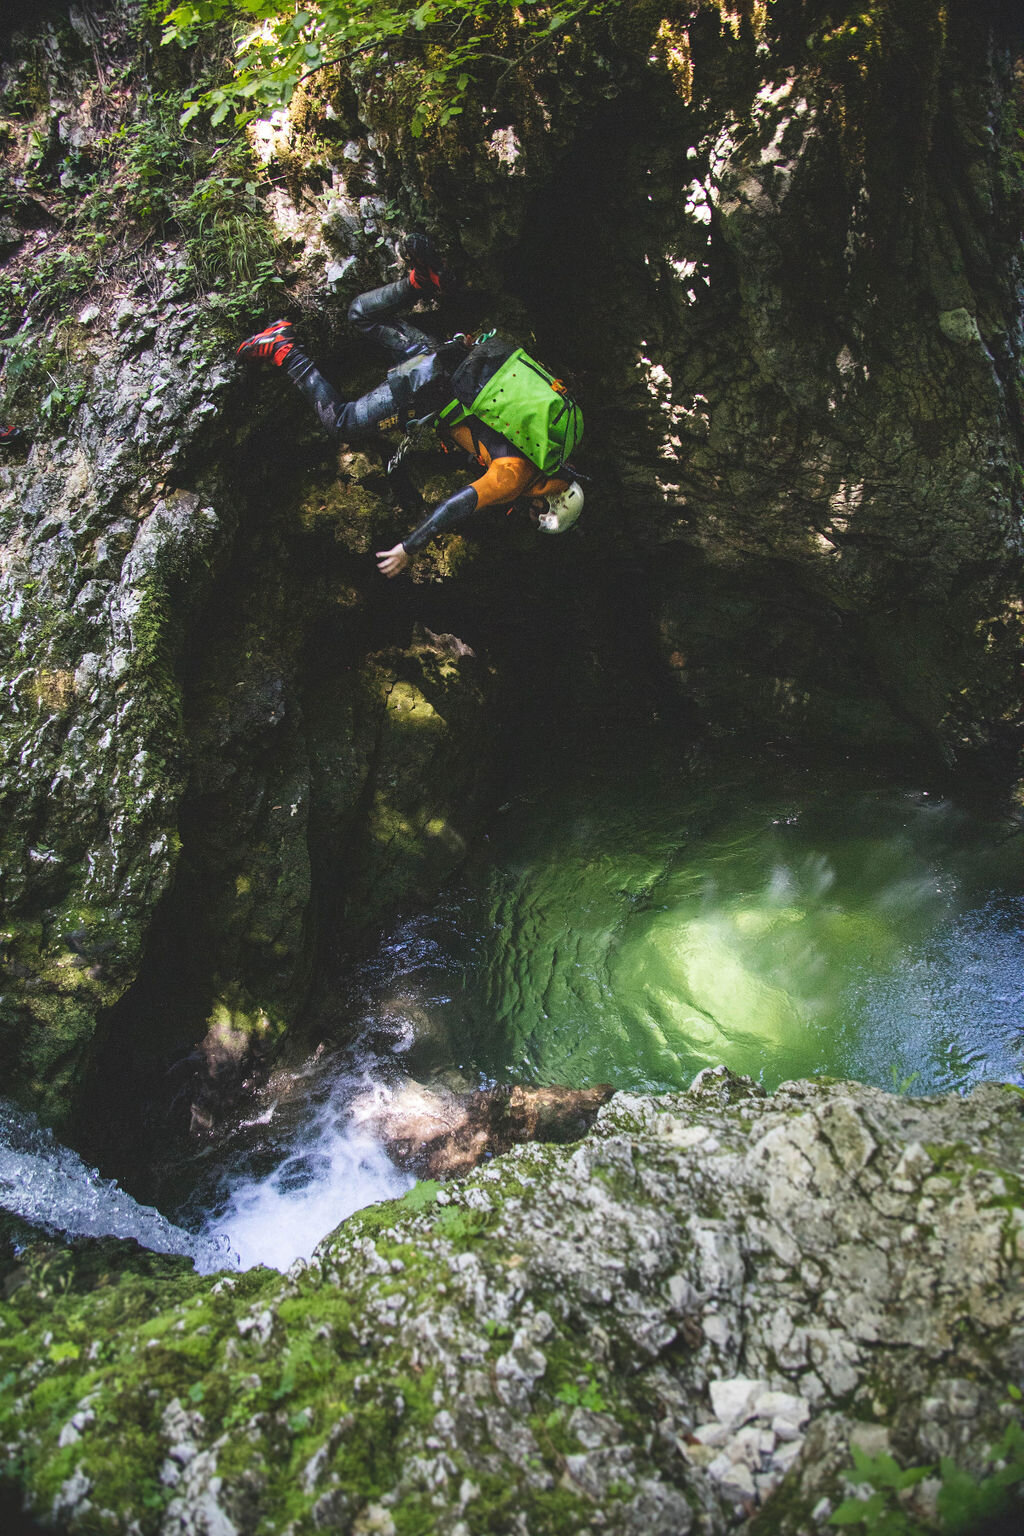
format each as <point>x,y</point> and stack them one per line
<point>49,1185</point>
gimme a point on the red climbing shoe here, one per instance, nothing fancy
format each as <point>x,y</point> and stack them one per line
<point>9,435</point>
<point>271,345</point>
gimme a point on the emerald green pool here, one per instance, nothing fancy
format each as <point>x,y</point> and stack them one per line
<point>632,932</point>
<point>631,927</point>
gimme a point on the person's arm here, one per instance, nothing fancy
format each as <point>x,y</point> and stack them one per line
<point>448,515</point>
<point>503,482</point>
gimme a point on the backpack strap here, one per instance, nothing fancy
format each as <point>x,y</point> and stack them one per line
<point>451,415</point>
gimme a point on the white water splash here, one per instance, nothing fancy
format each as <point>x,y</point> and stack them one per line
<point>331,1169</point>
<point>49,1185</point>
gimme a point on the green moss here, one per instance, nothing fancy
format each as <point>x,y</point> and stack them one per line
<point>461,1227</point>
<point>414,1516</point>
<point>552,1434</point>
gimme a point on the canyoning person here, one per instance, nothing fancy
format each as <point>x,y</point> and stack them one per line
<point>521,430</point>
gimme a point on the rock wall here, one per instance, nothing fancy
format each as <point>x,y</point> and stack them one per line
<point>775,248</point>
<point>780,245</point>
<point>690,1321</point>
<point>216,755</point>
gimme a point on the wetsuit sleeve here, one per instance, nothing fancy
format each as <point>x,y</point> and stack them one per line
<point>448,515</point>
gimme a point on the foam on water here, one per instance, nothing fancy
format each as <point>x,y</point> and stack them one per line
<point>328,1169</point>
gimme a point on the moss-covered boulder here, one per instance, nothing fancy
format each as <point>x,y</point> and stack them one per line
<point>689,1320</point>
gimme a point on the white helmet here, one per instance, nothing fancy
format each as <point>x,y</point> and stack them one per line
<point>563,510</point>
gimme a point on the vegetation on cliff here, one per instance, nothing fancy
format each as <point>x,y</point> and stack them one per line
<point>778,245</point>
<point>445,49</point>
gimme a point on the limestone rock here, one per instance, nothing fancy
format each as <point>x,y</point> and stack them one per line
<point>511,1347</point>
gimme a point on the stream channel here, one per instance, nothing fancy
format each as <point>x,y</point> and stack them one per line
<point>626,928</point>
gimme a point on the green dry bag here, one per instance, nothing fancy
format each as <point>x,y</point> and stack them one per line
<point>521,400</point>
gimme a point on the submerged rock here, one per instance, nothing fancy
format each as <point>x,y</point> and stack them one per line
<point>687,1320</point>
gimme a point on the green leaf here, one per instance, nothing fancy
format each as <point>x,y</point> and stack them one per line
<point>858,1511</point>
<point>421,1195</point>
<point>883,1471</point>
<point>1011,1446</point>
<point>65,1351</point>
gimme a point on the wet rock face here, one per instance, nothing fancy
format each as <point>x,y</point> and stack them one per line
<point>687,1319</point>
<point>812,337</point>
<point>787,281</point>
<point>212,734</point>
<point>784,285</point>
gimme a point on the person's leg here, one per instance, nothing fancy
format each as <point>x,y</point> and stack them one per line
<point>377,314</point>
<point>342,418</point>
<point>345,419</point>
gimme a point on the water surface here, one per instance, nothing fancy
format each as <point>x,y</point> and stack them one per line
<point>625,928</point>
<point>632,929</point>
<point>645,930</point>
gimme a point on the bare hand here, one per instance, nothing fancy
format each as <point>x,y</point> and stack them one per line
<point>390,562</point>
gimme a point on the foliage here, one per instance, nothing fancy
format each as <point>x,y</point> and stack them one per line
<point>452,42</point>
<point>880,1512</point>
<point>148,180</point>
<point>204,190</point>
<point>36,367</point>
<point>227,237</point>
<point>588,1396</point>
<point>421,1195</point>
<point>964,1503</point>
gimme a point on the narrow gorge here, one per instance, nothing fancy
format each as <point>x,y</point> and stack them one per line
<point>534,1045</point>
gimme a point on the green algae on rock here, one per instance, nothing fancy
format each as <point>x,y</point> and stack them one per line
<point>687,1317</point>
